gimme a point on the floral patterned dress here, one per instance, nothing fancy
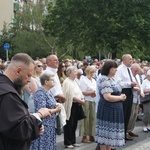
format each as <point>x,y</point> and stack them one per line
<point>46,141</point>
<point>110,118</point>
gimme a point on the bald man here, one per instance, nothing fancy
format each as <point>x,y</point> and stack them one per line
<point>125,78</point>
<point>52,66</point>
<point>17,126</point>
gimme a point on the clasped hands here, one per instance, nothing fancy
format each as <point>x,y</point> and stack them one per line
<point>93,94</point>
<point>123,97</point>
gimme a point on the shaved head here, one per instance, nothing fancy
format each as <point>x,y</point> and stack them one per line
<point>20,70</point>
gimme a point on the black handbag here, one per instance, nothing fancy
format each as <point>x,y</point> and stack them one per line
<point>81,113</point>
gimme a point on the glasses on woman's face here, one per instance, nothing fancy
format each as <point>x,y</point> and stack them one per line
<point>63,66</point>
<point>52,80</point>
<point>40,66</point>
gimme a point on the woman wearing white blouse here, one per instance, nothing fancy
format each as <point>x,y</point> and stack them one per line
<point>146,104</point>
<point>88,87</point>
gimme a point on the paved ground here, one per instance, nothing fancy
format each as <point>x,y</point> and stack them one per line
<point>139,143</point>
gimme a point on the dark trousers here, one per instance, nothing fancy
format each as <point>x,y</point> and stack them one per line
<point>127,106</point>
<point>71,126</point>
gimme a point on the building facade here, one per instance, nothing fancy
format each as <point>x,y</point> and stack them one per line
<point>8,9</point>
<point>6,12</point>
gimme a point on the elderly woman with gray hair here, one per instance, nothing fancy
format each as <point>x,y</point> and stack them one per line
<point>44,99</point>
<point>73,107</point>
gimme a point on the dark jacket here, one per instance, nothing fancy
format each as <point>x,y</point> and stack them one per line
<point>17,127</point>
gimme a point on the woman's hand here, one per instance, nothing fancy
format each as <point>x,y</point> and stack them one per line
<point>93,94</point>
<point>147,91</point>
<point>58,108</point>
<point>82,101</point>
<point>123,97</point>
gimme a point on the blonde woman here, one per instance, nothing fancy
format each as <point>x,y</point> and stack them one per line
<point>34,84</point>
<point>37,72</point>
<point>88,87</point>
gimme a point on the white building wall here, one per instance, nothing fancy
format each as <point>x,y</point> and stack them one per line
<point>6,12</point>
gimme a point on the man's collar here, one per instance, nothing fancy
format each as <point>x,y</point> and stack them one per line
<point>52,69</point>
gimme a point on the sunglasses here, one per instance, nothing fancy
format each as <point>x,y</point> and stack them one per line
<point>62,66</point>
<point>40,66</point>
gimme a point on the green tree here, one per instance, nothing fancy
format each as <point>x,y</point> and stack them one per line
<point>105,26</point>
<point>29,36</point>
<point>5,37</point>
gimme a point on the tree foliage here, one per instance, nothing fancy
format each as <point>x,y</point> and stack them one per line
<point>103,26</point>
<point>5,37</point>
<point>28,35</point>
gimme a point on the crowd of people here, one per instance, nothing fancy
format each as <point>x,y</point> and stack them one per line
<point>104,97</point>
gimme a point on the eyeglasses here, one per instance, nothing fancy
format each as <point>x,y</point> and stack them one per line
<point>63,66</point>
<point>40,66</point>
<point>52,80</point>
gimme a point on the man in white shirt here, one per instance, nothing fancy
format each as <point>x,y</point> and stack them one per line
<point>137,91</point>
<point>52,65</point>
<point>124,77</point>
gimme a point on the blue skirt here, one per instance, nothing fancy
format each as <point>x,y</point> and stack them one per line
<point>110,124</point>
